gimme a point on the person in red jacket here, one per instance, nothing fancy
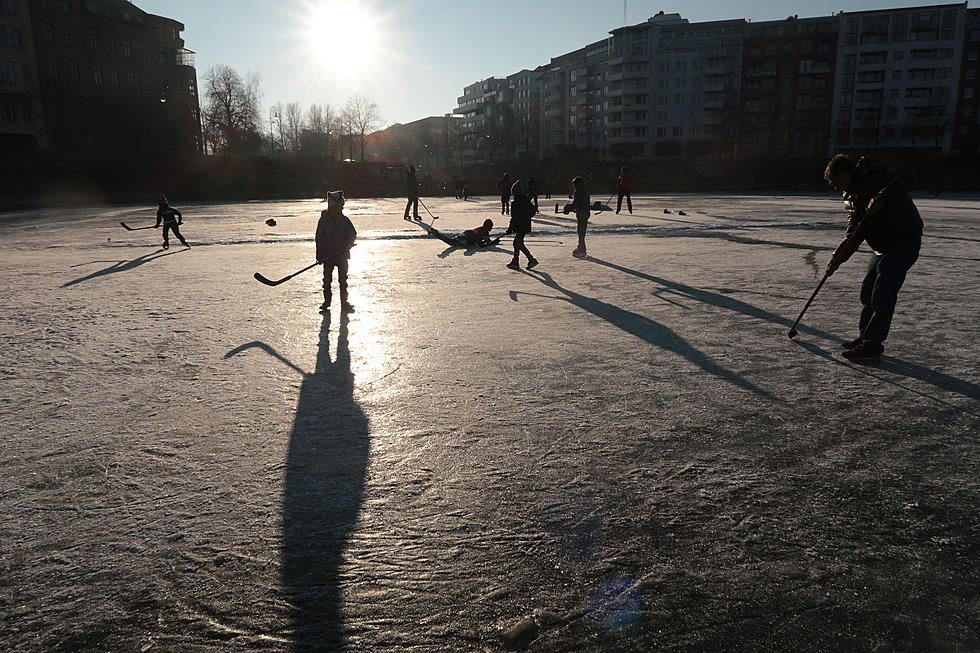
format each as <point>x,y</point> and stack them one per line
<point>475,237</point>
<point>625,186</point>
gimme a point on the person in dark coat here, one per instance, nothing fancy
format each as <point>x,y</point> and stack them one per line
<point>521,212</point>
<point>878,202</point>
<point>503,185</point>
<point>412,190</point>
<point>582,206</point>
<point>170,218</point>
<point>533,188</point>
<point>625,186</point>
<point>335,235</point>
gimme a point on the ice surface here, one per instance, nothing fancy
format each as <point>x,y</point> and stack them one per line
<point>619,453</point>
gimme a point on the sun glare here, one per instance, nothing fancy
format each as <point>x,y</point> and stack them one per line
<point>345,37</point>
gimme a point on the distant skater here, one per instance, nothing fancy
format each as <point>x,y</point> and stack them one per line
<point>625,185</point>
<point>171,219</point>
<point>533,188</point>
<point>878,202</point>
<point>412,190</point>
<point>503,186</point>
<point>547,187</point>
<point>582,206</point>
<point>521,212</point>
<point>335,235</point>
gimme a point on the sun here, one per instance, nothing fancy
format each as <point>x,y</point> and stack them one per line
<point>345,37</point>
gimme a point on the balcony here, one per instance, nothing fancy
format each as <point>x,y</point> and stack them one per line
<point>185,57</point>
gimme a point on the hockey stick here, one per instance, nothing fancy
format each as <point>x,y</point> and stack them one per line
<point>128,228</point>
<point>826,275</point>
<point>434,217</point>
<point>606,204</point>
<point>270,282</point>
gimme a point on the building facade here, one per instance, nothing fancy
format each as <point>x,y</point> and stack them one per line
<point>105,77</point>
<point>895,78</point>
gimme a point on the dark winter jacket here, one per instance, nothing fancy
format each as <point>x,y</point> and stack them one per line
<point>521,212</point>
<point>168,215</point>
<point>581,203</point>
<point>894,221</point>
<point>411,184</point>
<point>504,186</point>
<point>335,235</point>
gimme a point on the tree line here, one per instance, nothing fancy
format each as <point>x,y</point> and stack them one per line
<point>233,123</point>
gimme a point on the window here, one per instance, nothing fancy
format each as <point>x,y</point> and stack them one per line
<point>131,80</point>
<point>127,48</point>
<point>73,67</point>
<point>93,41</point>
<point>8,72</point>
<point>48,32</point>
<point>53,69</point>
<point>69,37</point>
<point>163,59</point>
<point>677,131</point>
<point>97,75</point>
<point>115,77</point>
<point>110,45</point>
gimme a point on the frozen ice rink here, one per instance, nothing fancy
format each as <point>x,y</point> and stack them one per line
<point>623,453</point>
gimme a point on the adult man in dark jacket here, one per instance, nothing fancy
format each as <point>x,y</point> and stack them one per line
<point>878,203</point>
<point>335,235</point>
<point>412,190</point>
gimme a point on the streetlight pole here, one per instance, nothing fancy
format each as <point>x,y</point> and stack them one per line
<point>272,133</point>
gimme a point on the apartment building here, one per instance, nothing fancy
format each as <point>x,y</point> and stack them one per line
<point>21,125</point>
<point>111,79</point>
<point>484,113</point>
<point>897,78</point>
<point>893,78</point>
<point>966,129</point>
<point>787,87</point>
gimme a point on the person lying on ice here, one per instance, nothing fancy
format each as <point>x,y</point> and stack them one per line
<point>476,237</point>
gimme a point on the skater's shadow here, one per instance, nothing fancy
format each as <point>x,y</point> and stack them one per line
<point>715,299</point>
<point>122,266</point>
<point>323,492</point>
<point>646,329</point>
<point>911,370</point>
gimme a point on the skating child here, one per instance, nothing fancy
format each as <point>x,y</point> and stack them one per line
<point>171,218</point>
<point>582,206</point>
<point>521,212</point>
<point>335,235</point>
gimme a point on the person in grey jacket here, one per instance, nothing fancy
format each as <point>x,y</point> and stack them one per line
<point>335,235</point>
<point>878,204</point>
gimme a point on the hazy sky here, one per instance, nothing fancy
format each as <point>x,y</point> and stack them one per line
<point>413,57</point>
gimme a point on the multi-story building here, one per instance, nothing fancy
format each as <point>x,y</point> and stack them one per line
<point>485,120</point>
<point>966,127</point>
<point>21,127</point>
<point>787,87</point>
<point>897,77</point>
<point>894,78</point>
<point>111,79</point>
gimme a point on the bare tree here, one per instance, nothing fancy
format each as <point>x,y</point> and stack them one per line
<point>292,119</point>
<point>231,110</point>
<point>319,124</point>
<point>362,116</point>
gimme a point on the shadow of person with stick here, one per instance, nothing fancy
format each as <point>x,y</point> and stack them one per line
<point>123,266</point>
<point>646,329</point>
<point>322,494</point>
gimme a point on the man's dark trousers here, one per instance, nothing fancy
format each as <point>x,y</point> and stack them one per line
<point>879,290</point>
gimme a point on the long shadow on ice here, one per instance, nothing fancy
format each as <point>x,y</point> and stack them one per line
<point>322,494</point>
<point>716,299</point>
<point>911,370</point>
<point>646,329</point>
<point>124,266</point>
